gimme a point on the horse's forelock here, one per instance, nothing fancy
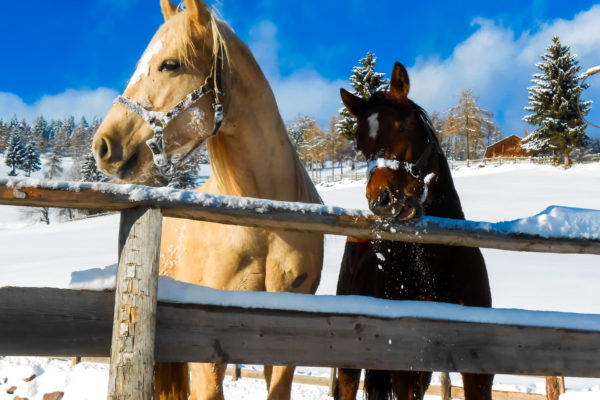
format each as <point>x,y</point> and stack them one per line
<point>190,38</point>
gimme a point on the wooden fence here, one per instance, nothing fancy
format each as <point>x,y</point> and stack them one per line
<point>327,176</point>
<point>140,330</point>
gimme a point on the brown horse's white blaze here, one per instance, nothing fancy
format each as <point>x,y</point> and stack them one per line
<point>250,156</point>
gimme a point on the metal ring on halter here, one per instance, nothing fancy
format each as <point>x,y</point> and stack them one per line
<point>588,73</point>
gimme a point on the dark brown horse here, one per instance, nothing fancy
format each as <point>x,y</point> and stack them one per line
<point>408,177</point>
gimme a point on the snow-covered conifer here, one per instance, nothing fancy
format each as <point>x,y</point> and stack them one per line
<point>31,160</point>
<point>15,150</point>
<point>553,104</point>
<point>39,130</point>
<point>81,140</point>
<point>364,81</point>
<point>4,134</point>
<point>89,170</point>
<point>185,174</point>
<point>53,166</point>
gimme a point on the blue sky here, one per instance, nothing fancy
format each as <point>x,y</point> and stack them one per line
<point>68,57</point>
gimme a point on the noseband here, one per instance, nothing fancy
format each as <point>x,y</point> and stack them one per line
<point>158,121</point>
<point>414,169</point>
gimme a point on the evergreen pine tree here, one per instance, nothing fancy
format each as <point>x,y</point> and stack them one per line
<point>39,129</point>
<point>89,170</point>
<point>53,166</point>
<point>185,174</point>
<point>8,127</point>
<point>15,151</point>
<point>81,140</point>
<point>60,143</point>
<point>31,160</point>
<point>364,81</point>
<point>4,134</point>
<point>553,103</point>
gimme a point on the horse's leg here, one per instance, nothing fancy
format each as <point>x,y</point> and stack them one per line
<point>207,381</point>
<point>408,385</point>
<point>478,386</point>
<point>268,372</point>
<point>347,384</point>
<point>280,382</point>
<point>171,381</point>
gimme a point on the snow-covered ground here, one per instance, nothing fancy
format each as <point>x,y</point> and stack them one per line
<point>46,255</point>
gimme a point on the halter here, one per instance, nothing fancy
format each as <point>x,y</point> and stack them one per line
<point>414,169</point>
<point>158,121</point>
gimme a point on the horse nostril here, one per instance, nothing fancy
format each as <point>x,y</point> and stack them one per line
<point>384,199</point>
<point>103,151</point>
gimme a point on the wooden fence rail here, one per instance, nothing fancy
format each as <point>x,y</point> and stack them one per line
<point>70,323</point>
<point>280,215</point>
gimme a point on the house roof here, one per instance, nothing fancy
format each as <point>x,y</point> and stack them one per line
<point>504,140</point>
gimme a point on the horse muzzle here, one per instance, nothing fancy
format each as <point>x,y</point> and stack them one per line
<point>387,205</point>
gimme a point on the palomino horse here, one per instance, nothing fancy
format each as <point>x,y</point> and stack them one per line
<point>408,176</point>
<point>166,112</point>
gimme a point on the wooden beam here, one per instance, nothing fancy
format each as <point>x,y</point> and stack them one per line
<point>278,216</point>
<point>53,322</point>
<point>133,334</point>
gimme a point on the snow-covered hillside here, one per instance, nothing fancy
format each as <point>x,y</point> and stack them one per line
<point>45,255</point>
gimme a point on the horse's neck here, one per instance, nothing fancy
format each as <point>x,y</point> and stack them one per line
<point>252,155</point>
<point>445,202</point>
<point>249,159</point>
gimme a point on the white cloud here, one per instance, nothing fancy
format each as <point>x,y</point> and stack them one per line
<point>498,66</point>
<point>88,103</point>
<point>305,91</point>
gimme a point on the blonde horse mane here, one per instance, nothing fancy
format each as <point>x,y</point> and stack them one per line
<point>187,44</point>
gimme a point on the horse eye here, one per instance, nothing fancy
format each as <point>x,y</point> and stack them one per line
<point>169,65</point>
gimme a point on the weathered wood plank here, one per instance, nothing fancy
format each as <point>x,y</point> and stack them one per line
<point>54,322</point>
<point>133,334</point>
<point>46,322</point>
<point>272,215</point>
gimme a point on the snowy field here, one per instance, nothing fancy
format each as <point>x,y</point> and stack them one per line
<point>46,255</point>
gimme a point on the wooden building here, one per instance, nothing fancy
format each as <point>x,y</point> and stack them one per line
<point>507,147</point>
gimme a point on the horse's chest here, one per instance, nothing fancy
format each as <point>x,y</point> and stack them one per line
<point>222,256</point>
<point>404,271</point>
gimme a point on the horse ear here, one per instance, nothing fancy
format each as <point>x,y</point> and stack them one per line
<point>400,85</point>
<point>168,9</point>
<point>198,11</point>
<point>356,105</point>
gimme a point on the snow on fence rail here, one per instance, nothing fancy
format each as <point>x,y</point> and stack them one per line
<point>545,232</point>
<point>224,327</point>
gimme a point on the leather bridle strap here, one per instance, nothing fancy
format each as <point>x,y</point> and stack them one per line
<point>158,121</point>
<point>414,169</point>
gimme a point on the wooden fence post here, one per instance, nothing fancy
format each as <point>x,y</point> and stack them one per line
<point>446,386</point>
<point>132,349</point>
<point>555,386</point>
<point>237,372</point>
<point>332,381</point>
